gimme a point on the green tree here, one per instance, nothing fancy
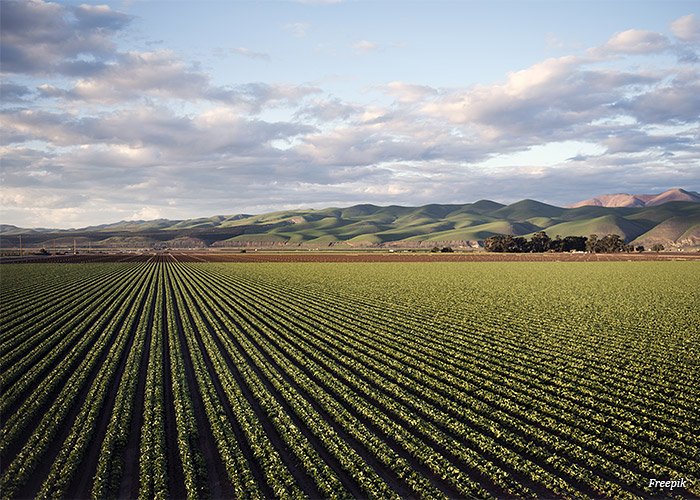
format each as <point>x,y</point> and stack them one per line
<point>506,243</point>
<point>516,244</point>
<point>657,247</point>
<point>557,244</point>
<point>540,242</point>
<point>593,245</point>
<point>640,248</point>
<point>495,243</point>
<point>574,243</point>
<point>612,243</point>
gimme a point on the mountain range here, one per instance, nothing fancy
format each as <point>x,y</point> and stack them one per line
<point>673,224</point>
<point>639,200</point>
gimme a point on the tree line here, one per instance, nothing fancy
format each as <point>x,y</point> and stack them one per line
<point>540,242</point>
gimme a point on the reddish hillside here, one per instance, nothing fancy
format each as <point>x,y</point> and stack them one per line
<point>639,200</point>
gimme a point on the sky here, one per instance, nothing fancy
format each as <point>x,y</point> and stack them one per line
<point>138,110</point>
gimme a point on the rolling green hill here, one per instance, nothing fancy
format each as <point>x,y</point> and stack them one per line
<point>672,224</point>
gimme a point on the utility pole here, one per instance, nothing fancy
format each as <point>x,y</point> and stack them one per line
<point>75,248</point>
<point>20,245</point>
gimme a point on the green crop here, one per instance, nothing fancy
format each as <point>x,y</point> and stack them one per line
<point>425,380</point>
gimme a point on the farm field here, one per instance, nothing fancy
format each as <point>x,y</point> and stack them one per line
<point>350,379</point>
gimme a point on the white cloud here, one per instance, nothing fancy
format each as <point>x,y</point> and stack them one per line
<point>672,103</point>
<point>408,93</point>
<point>146,213</point>
<point>556,99</point>
<point>687,28</point>
<point>365,46</point>
<point>135,74</point>
<point>160,75</point>
<point>326,110</point>
<point>636,42</point>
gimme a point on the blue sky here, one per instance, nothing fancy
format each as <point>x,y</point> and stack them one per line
<point>179,109</point>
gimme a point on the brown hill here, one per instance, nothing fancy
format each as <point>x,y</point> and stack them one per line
<point>639,200</point>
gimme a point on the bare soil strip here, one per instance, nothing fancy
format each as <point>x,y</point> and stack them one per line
<point>376,256</point>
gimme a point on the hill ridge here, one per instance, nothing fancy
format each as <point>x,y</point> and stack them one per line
<point>674,224</point>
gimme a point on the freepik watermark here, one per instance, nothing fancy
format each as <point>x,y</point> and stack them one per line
<point>676,483</point>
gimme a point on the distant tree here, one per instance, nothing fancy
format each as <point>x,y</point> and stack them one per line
<point>574,244</point>
<point>517,244</point>
<point>447,250</point>
<point>506,243</point>
<point>612,243</point>
<point>510,244</point>
<point>657,247</point>
<point>608,244</point>
<point>640,248</point>
<point>540,242</point>
<point>521,244</point>
<point>557,244</point>
<point>435,250</point>
<point>495,243</point>
<point>593,245</point>
<point>628,248</point>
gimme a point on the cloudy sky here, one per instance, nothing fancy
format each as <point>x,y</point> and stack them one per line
<point>146,109</point>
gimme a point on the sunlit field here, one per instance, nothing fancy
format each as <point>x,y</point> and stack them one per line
<point>350,380</point>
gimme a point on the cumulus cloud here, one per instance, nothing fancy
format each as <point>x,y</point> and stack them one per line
<point>327,110</point>
<point>678,102</point>
<point>634,141</point>
<point>160,74</point>
<point>135,74</point>
<point>687,28</point>
<point>42,38</point>
<point>257,95</point>
<point>555,99</point>
<point>636,42</point>
<point>146,213</point>
<point>136,131</point>
<point>12,92</point>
